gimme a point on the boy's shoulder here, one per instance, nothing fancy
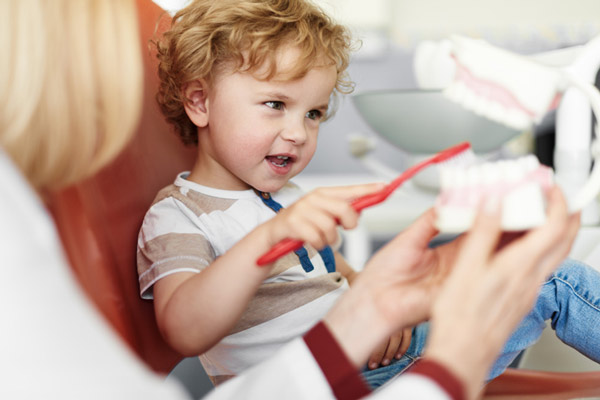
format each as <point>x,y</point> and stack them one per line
<point>167,191</point>
<point>193,198</point>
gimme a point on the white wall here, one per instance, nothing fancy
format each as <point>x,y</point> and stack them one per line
<point>407,21</point>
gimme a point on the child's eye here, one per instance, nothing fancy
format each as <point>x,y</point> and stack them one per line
<point>275,105</point>
<point>314,114</point>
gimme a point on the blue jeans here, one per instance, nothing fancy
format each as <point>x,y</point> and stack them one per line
<point>570,299</point>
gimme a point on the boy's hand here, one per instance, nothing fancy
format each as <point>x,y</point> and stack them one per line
<point>314,218</point>
<point>394,347</point>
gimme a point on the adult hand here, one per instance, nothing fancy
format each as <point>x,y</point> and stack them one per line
<point>393,292</point>
<point>492,286</point>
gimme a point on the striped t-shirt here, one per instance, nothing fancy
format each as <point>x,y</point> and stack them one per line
<point>189,225</point>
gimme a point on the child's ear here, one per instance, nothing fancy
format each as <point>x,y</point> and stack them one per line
<point>196,102</point>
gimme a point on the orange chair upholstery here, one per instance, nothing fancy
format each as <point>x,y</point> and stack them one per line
<point>98,221</point>
<point>543,385</point>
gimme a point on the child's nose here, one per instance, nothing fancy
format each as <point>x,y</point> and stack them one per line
<point>296,132</point>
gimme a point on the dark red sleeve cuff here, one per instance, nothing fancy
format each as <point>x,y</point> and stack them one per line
<point>441,375</point>
<point>342,376</point>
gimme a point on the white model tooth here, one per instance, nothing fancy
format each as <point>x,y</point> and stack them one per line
<point>473,176</point>
<point>496,112</point>
<point>501,168</point>
<point>513,171</point>
<point>460,178</point>
<point>525,120</point>
<point>447,177</point>
<point>482,106</point>
<point>456,92</point>
<point>517,119</point>
<point>490,173</point>
<point>530,163</point>
<point>470,100</point>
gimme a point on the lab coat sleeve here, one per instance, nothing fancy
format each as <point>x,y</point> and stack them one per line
<point>316,367</point>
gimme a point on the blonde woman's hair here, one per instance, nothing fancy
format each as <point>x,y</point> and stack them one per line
<point>70,85</point>
<point>244,35</point>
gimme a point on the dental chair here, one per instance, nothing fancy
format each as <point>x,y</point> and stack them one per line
<point>98,221</point>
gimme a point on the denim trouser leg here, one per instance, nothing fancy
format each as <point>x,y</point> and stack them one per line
<point>570,298</point>
<point>379,376</point>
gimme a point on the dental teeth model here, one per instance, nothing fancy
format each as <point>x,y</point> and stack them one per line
<point>517,91</point>
<point>519,185</point>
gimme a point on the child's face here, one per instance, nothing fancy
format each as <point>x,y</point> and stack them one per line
<point>261,133</point>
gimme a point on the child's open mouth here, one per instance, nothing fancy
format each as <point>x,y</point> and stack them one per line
<point>279,161</point>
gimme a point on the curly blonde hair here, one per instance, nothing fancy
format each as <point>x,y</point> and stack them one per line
<point>244,35</point>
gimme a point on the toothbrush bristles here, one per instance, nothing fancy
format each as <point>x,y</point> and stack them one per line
<point>465,158</point>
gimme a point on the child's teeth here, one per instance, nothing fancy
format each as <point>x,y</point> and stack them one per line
<point>280,161</point>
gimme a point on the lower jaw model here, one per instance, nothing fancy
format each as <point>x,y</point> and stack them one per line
<point>519,186</point>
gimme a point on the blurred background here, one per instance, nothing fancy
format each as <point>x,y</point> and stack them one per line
<point>389,31</point>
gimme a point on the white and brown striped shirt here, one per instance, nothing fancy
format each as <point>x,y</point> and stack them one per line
<point>189,225</point>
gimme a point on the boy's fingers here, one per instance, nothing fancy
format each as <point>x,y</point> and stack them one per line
<point>406,339</point>
<point>392,349</point>
<point>377,355</point>
<point>351,192</point>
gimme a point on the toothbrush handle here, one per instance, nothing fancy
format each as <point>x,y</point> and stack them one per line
<point>369,200</point>
<point>279,250</point>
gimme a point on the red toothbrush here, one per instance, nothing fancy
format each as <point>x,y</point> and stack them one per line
<point>461,151</point>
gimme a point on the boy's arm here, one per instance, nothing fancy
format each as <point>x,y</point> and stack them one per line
<point>342,266</point>
<point>196,310</point>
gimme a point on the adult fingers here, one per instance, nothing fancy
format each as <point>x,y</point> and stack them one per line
<point>422,230</point>
<point>483,237</point>
<point>548,244</point>
<point>561,250</point>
